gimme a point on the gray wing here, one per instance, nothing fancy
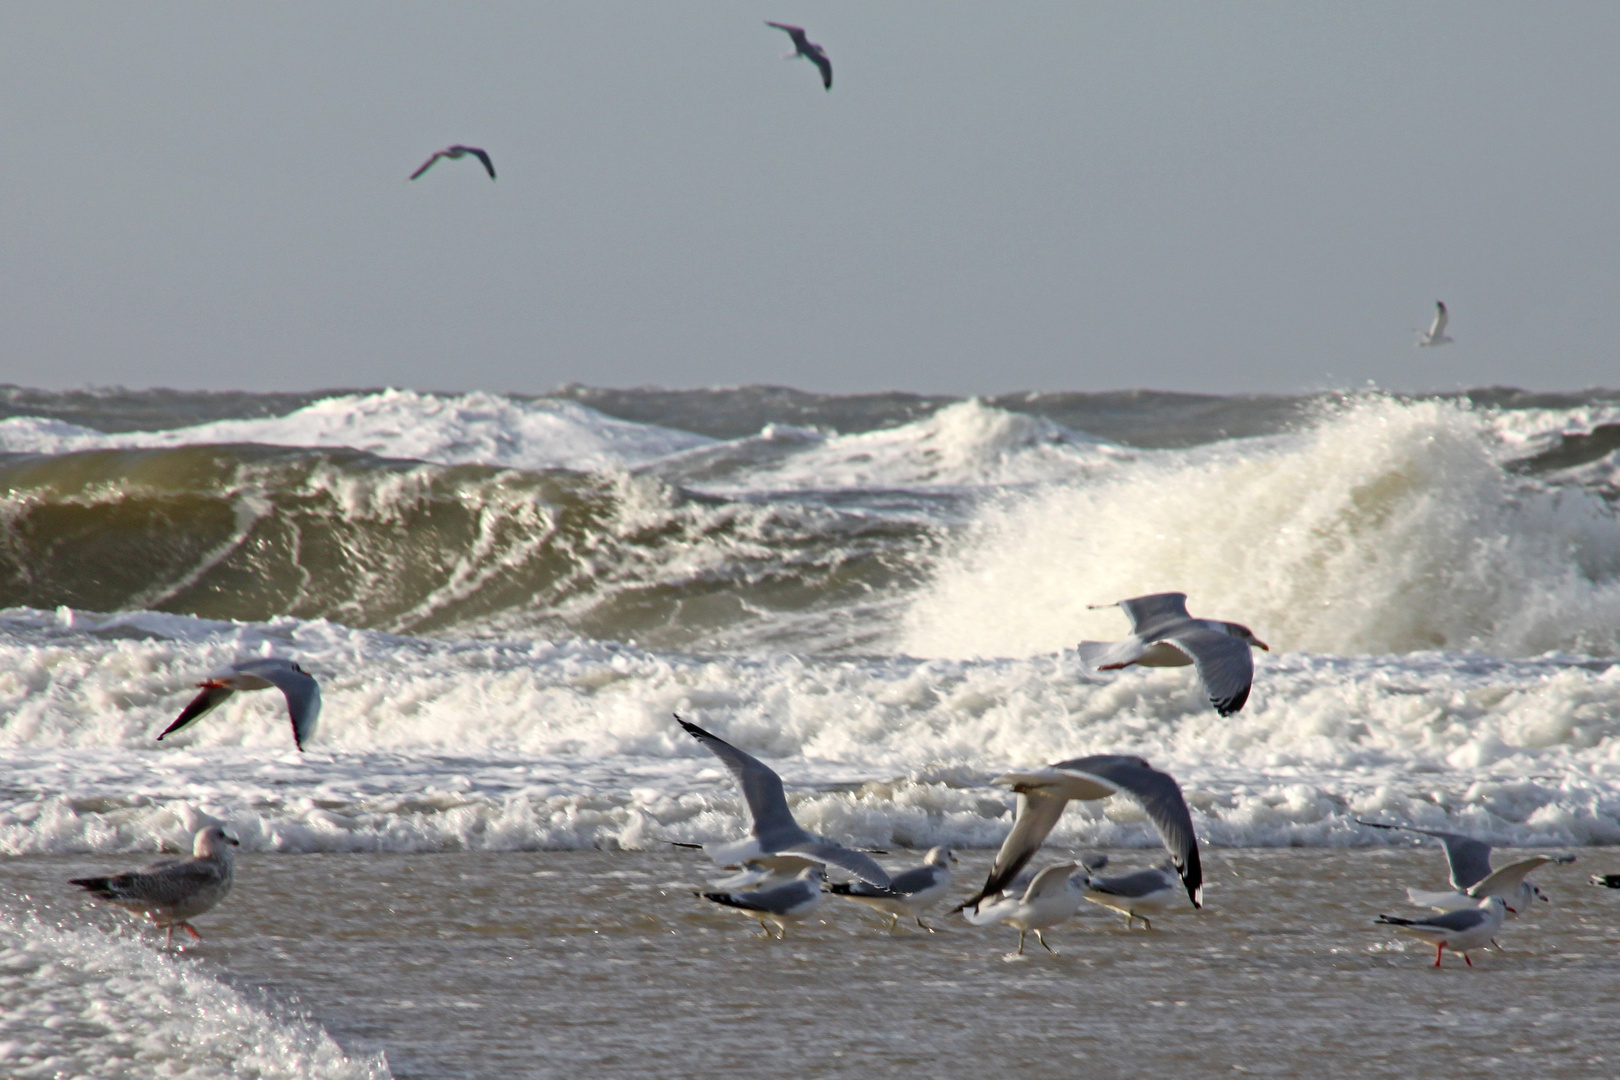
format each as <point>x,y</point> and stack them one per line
<point>762,791</point>
<point>426,165</point>
<point>1038,812</point>
<point>773,900</point>
<point>489,166</point>
<point>825,851</point>
<point>1456,921</point>
<point>1132,886</point>
<point>1440,319</point>
<point>1506,880</point>
<point>1469,859</point>
<point>800,41</point>
<point>1157,609</point>
<point>1160,798</point>
<point>211,698</point>
<point>1224,664</point>
<point>1107,655</point>
<point>170,886</point>
<point>1052,879</point>
<point>302,692</point>
<point>917,879</point>
<point>819,58</point>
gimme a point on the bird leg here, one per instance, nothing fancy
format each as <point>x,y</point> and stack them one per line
<point>1042,939</point>
<point>1021,934</point>
<point>192,930</point>
<point>1145,922</point>
<point>894,921</point>
<point>924,925</point>
<point>767,929</point>
<point>1467,961</point>
<point>1438,951</point>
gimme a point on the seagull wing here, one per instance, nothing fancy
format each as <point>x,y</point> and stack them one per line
<point>818,57</point>
<point>1108,655</point>
<point>1224,664</point>
<point>1469,859</point>
<point>1441,317</point>
<point>800,41</point>
<point>302,692</point>
<point>213,695</point>
<point>1507,879</point>
<point>1160,797</point>
<point>168,887</point>
<point>426,165</point>
<point>1038,811</point>
<point>825,851</point>
<point>1149,612</point>
<point>762,791</point>
<point>489,166</point>
<point>1133,886</point>
<point>1053,879</point>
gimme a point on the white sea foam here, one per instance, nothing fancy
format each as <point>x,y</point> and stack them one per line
<point>441,746</point>
<point>473,428</point>
<point>1388,527</point>
<point>77,1002</point>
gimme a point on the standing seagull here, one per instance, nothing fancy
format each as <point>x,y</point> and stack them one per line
<point>1437,330</point>
<point>803,46</point>
<point>775,835</point>
<point>1164,635</point>
<point>1459,931</point>
<point>454,153</point>
<point>1051,898</point>
<point>303,693</point>
<point>1043,794</point>
<point>1472,878</point>
<point>910,893</point>
<point>790,901</point>
<point>1135,896</point>
<point>172,891</point>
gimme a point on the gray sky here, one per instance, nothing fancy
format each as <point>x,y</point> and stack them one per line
<point>1230,197</point>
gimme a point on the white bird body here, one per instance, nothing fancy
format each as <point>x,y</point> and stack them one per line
<point>170,892</point>
<point>910,892</point>
<point>302,692</point>
<point>1164,635</point>
<point>1460,931</point>
<point>1437,330</point>
<point>1053,897</point>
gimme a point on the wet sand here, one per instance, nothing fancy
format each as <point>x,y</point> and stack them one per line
<point>591,964</point>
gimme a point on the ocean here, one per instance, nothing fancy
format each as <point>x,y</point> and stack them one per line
<point>505,597</point>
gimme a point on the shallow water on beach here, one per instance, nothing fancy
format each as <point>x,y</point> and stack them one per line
<point>552,964</point>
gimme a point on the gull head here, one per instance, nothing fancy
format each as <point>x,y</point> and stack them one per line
<point>1243,633</point>
<point>211,841</point>
<point>939,855</point>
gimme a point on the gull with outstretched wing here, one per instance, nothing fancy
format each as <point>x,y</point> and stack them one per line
<point>302,692</point>
<point>1164,635</point>
<point>803,46</point>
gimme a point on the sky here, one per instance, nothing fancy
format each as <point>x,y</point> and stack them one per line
<point>1240,197</point>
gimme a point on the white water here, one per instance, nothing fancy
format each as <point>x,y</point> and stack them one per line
<point>82,1003</point>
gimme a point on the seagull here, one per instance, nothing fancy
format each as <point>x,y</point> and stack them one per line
<point>1043,794</point>
<point>1164,635</point>
<point>1605,881</point>
<point>1437,330</point>
<point>909,893</point>
<point>803,46</point>
<point>1150,891</point>
<point>1472,879</point>
<point>776,837</point>
<point>1459,931</point>
<point>781,904</point>
<point>303,694</point>
<point>455,153</point>
<point>1051,898</point>
<point>171,892</point>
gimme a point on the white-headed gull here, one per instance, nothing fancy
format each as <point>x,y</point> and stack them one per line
<point>303,693</point>
<point>1164,635</point>
<point>781,904</point>
<point>803,46</point>
<point>455,153</point>
<point>1051,898</point>
<point>910,892</point>
<point>172,891</point>
<point>1459,931</point>
<point>1472,878</point>
<point>775,835</point>
<point>1135,896</point>
<point>1043,793</point>
<point>1437,330</point>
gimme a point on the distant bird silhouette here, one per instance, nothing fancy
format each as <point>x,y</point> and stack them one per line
<point>803,46</point>
<point>453,153</point>
<point>1437,331</point>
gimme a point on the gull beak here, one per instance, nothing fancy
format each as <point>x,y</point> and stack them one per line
<point>1262,645</point>
<point>233,841</point>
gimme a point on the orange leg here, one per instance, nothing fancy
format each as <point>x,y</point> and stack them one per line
<point>192,930</point>
<point>1467,961</point>
<point>1438,951</point>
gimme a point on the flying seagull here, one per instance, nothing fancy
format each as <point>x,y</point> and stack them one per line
<point>910,893</point>
<point>781,904</point>
<point>803,46</point>
<point>1437,330</point>
<point>303,693</point>
<point>172,891</point>
<point>454,153</point>
<point>1043,794</point>
<point>775,835</point>
<point>1472,878</point>
<point>1459,931</point>
<point>1051,898</point>
<point>1164,635</point>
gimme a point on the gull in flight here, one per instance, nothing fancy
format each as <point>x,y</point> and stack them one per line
<point>781,904</point>
<point>1135,896</point>
<point>910,893</point>
<point>1472,878</point>
<point>803,46</point>
<point>1051,898</point>
<point>1437,330</point>
<point>303,694</point>
<point>1459,931</point>
<point>1164,635</point>
<point>1044,793</point>
<point>171,892</point>
<point>455,153</point>
<point>776,841</point>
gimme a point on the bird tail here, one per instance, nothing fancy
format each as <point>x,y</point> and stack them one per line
<point>99,887</point>
<point>727,899</point>
<point>984,915</point>
<point>1395,920</point>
